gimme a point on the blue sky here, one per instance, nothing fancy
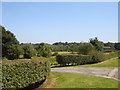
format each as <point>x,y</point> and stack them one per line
<point>51,22</point>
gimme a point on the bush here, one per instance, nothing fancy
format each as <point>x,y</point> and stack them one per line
<point>94,57</point>
<point>73,59</point>
<point>44,50</point>
<point>23,74</point>
<point>13,51</point>
<point>85,48</point>
<point>29,51</point>
<point>100,56</point>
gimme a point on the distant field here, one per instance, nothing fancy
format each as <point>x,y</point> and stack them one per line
<point>76,80</point>
<point>65,52</point>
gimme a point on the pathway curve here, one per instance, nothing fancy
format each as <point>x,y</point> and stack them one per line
<point>111,72</point>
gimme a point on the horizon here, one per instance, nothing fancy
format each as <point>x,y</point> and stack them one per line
<point>34,22</point>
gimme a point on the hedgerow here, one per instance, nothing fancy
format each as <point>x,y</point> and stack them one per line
<point>23,74</point>
<point>73,59</point>
<point>83,59</point>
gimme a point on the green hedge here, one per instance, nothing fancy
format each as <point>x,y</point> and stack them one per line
<point>24,74</point>
<point>73,59</point>
<point>83,59</point>
<point>98,57</point>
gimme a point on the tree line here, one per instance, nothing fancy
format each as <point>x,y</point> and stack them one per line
<point>12,48</point>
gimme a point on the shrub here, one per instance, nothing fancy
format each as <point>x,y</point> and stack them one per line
<point>23,74</point>
<point>100,56</point>
<point>13,51</point>
<point>117,46</point>
<point>29,51</point>
<point>98,44</point>
<point>85,48</point>
<point>94,57</point>
<point>73,59</point>
<point>44,50</point>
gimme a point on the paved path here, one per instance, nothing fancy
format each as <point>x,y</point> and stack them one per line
<point>98,71</point>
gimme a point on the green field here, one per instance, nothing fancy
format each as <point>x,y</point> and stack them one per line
<point>76,80</point>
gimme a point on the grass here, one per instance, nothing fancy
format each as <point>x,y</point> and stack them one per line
<point>63,53</point>
<point>76,80</point>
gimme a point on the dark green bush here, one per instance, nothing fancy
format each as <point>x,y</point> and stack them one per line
<point>24,74</point>
<point>29,51</point>
<point>85,48</point>
<point>99,56</point>
<point>84,59</point>
<point>13,52</point>
<point>73,59</point>
<point>44,50</point>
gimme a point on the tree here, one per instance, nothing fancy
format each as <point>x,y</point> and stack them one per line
<point>10,45</point>
<point>109,44</point>
<point>73,48</point>
<point>44,50</point>
<point>13,51</point>
<point>117,46</point>
<point>98,44</point>
<point>85,48</point>
<point>29,51</point>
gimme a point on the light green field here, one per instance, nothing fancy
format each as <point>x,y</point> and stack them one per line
<point>76,80</point>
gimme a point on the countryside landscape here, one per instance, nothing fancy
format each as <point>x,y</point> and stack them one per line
<point>59,45</point>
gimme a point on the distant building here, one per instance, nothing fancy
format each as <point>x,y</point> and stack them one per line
<point>108,48</point>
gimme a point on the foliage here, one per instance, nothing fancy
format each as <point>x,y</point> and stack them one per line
<point>44,50</point>
<point>13,51</point>
<point>21,75</point>
<point>93,57</point>
<point>58,48</point>
<point>29,51</point>
<point>10,48</point>
<point>52,60</point>
<point>100,56</point>
<point>109,44</point>
<point>73,59</point>
<point>73,48</point>
<point>119,54</point>
<point>85,48</point>
<point>98,44</point>
<point>117,46</point>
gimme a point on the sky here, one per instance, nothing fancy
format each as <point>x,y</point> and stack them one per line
<point>50,22</point>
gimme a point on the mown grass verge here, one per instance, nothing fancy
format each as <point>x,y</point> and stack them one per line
<point>76,80</point>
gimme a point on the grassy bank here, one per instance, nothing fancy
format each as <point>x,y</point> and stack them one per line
<point>76,80</point>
